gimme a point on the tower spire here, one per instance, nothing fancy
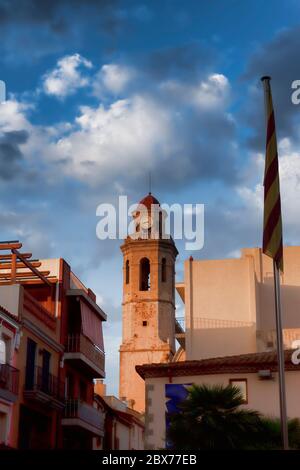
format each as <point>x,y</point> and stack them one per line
<point>149,182</point>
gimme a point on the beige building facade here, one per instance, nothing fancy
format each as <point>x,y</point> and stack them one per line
<point>256,374</point>
<point>229,304</point>
<point>229,336</point>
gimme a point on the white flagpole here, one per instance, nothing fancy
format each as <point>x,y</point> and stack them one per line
<point>279,336</point>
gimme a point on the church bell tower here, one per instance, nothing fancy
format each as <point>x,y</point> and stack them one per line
<point>148,333</point>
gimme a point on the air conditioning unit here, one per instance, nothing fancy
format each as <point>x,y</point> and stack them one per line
<point>265,374</point>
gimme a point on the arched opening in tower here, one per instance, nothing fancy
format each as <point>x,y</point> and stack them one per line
<point>164,270</point>
<point>144,274</point>
<point>127,275</point>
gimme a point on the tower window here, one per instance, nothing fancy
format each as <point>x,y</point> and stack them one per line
<point>144,274</point>
<point>164,270</point>
<point>127,272</point>
<point>145,323</point>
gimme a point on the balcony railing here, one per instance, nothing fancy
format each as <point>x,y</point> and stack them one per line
<point>9,379</point>
<point>208,323</point>
<point>181,322</point>
<point>78,343</point>
<point>45,383</point>
<point>86,416</point>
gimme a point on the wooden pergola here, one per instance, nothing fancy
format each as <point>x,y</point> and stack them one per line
<point>17,267</point>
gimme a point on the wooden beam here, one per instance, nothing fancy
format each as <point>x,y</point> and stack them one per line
<point>35,264</point>
<point>30,282</point>
<point>13,272</point>
<point>10,246</point>
<point>27,274</point>
<point>9,257</point>
<point>34,270</point>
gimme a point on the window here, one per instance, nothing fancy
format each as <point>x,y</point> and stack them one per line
<point>82,390</point>
<point>30,364</point>
<point>164,270</point>
<point>2,351</point>
<point>69,386</point>
<point>46,371</point>
<point>144,274</point>
<point>145,323</point>
<point>3,427</point>
<point>127,272</point>
<point>242,385</point>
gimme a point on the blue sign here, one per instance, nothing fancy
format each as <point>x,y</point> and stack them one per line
<point>175,393</point>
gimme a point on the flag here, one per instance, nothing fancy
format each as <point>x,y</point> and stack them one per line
<point>272,236</point>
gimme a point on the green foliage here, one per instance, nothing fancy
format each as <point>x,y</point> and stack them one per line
<point>211,417</point>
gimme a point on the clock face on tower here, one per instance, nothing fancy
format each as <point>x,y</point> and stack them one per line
<point>146,222</point>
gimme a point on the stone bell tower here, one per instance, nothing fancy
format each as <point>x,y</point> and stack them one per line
<point>148,300</point>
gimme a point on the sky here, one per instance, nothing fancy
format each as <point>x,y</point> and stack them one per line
<point>102,92</point>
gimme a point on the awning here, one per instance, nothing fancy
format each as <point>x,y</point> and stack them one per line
<point>91,326</point>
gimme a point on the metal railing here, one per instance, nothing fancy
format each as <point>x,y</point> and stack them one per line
<point>207,323</point>
<point>181,322</point>
<point>78,409</point>
<point>9,378</point>
<point>80,343</point>
<point>46,383</point>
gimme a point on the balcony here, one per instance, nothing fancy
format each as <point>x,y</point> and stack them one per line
<point>81,350</point>
<point>9,382</point>
<point>45,389</point>
<point>79,414</point>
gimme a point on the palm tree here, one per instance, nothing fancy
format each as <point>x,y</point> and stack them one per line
<point>211,417</point>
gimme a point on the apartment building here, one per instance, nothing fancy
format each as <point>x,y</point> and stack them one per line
<point>58,352</point>
<point>9,374</point>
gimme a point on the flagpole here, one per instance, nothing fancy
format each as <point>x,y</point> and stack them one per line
<point>280,358</point>
<point>279,336</point>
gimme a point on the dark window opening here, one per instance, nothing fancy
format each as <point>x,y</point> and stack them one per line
<point>127,272</point>
<point>30,364</point>
<point>46,371</point>
<point>160,228</point>
<point>164,270</point>
<point>145,323</point>
<point>82,390</point>
<point>144,274</point>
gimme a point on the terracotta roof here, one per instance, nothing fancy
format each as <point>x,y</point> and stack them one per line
<point>148,200</point>
<point>244,363</point>
<point>8,314</point>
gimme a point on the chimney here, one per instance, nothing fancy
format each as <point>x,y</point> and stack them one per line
<point>100,387</point>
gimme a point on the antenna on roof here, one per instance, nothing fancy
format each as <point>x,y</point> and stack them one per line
<point>149,182</point>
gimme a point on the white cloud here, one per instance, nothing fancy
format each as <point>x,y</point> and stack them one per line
<point>12,116</point>
<point>211,93</point>
<point>289,167</point>
<point>125,139</point>
<point>67,77</point>
<point>112,78</point>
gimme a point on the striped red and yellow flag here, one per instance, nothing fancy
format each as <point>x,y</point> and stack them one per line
<point>272,237</point>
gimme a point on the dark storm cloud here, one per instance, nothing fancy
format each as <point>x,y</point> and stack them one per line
<point>52,12</point>
<point>186,61</point>
<point>51,26</point>
<point>10,154</point>
<point>279,59</point>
